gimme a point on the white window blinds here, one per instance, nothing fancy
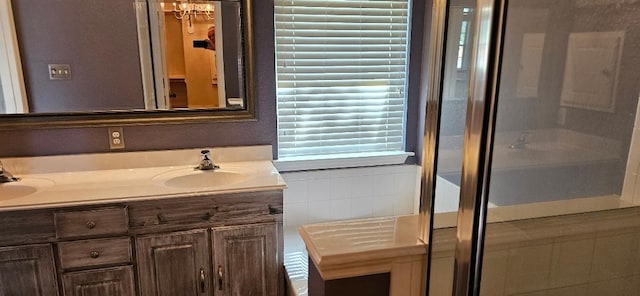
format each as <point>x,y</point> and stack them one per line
<point>341,75</point>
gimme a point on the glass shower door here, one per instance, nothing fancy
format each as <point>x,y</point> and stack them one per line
<point>562,214</point>
<point>537,187</point>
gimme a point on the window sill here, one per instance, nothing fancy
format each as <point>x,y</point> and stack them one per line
<point>338,161</point>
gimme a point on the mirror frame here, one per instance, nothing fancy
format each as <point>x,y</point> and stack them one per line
<point>143,117</point>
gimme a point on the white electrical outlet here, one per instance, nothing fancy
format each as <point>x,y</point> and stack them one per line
<point>116,138</point>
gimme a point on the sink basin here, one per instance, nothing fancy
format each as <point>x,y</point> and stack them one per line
<point>22,188</point>
<point>189,178</point>
<point>10,191</point>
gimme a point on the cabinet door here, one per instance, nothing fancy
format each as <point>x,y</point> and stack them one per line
<point>174,264</point>
<point>28,271</point>
<point>246,260</point>
<point>116,281</point>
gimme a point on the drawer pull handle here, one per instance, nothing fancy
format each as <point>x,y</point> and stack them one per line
<point>220,277</point>
<point>94,254</point>
<point>203,283</point>
<point>91,225</point>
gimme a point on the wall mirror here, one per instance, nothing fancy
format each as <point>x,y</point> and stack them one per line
<point>102,62</point>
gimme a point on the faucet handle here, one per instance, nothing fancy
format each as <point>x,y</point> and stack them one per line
<point>205,154</point>
<point>206,163</point>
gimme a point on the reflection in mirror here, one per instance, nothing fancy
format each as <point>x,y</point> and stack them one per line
<point>455,85</point>
<point>87,56</point>
<point>458,54</point>
<point>200,50</point>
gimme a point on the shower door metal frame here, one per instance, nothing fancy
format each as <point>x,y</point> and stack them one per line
<point>433,93</point>
<point>478,138</point>
<point>478,147</point>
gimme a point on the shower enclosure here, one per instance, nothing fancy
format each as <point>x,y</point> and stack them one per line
<point>532,154</point>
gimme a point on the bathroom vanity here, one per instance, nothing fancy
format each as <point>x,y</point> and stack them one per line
<point>131,231</point>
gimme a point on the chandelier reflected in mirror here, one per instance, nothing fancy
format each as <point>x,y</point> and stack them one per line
<point>193,9</point>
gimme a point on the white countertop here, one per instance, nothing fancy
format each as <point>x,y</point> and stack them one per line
<point>123,185</point>
<point>86,187</point>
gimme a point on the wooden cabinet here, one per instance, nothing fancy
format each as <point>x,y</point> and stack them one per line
<point>116,281</point>
<point>247,253</point>
<point>174,264</point>
<point>245,260</point>
<point>27,271</point>
<point>211,245</point>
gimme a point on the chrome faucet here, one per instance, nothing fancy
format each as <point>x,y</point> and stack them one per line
<point>6,177</point>
<point>521,142</point>
<point>206,164</point>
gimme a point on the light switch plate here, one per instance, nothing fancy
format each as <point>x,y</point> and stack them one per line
<point>59,71</point>
<point>116,138</point>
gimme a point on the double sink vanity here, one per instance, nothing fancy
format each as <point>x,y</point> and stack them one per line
<point>142,223</point>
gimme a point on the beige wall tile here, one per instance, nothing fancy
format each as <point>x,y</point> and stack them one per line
<point>580,290</point>
<point>612,257</point>
<point>528,269</point>
<point>494,273</point>
<point>537,293</point>
<point>635,266</point>
<point>615,287</point>
<point>441,281</point>
<point>633,285</point>
<point>571,263</point>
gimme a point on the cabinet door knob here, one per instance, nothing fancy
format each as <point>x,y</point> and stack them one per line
<point>91,225</point>
<point>203,283</point>
<point>94,254</point>
<point>220,277</point>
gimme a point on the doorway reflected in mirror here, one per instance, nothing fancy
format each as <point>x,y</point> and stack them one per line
<point>191,58</point>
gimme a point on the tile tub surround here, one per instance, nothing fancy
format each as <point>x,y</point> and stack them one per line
<point>121,177</point>
<point>594,253</point>
<point>550,237</point>
<point>340,194</point>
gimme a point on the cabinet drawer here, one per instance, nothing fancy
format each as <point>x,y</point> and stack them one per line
<point>94,252</point>
<point>205,211</point>
<point>108,281</point>
<point>103,221</point>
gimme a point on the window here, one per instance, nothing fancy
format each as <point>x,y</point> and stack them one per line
<point>463,56</point>
<point>458,52</point>
<point>341,76</point>
<point>462,43</point>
